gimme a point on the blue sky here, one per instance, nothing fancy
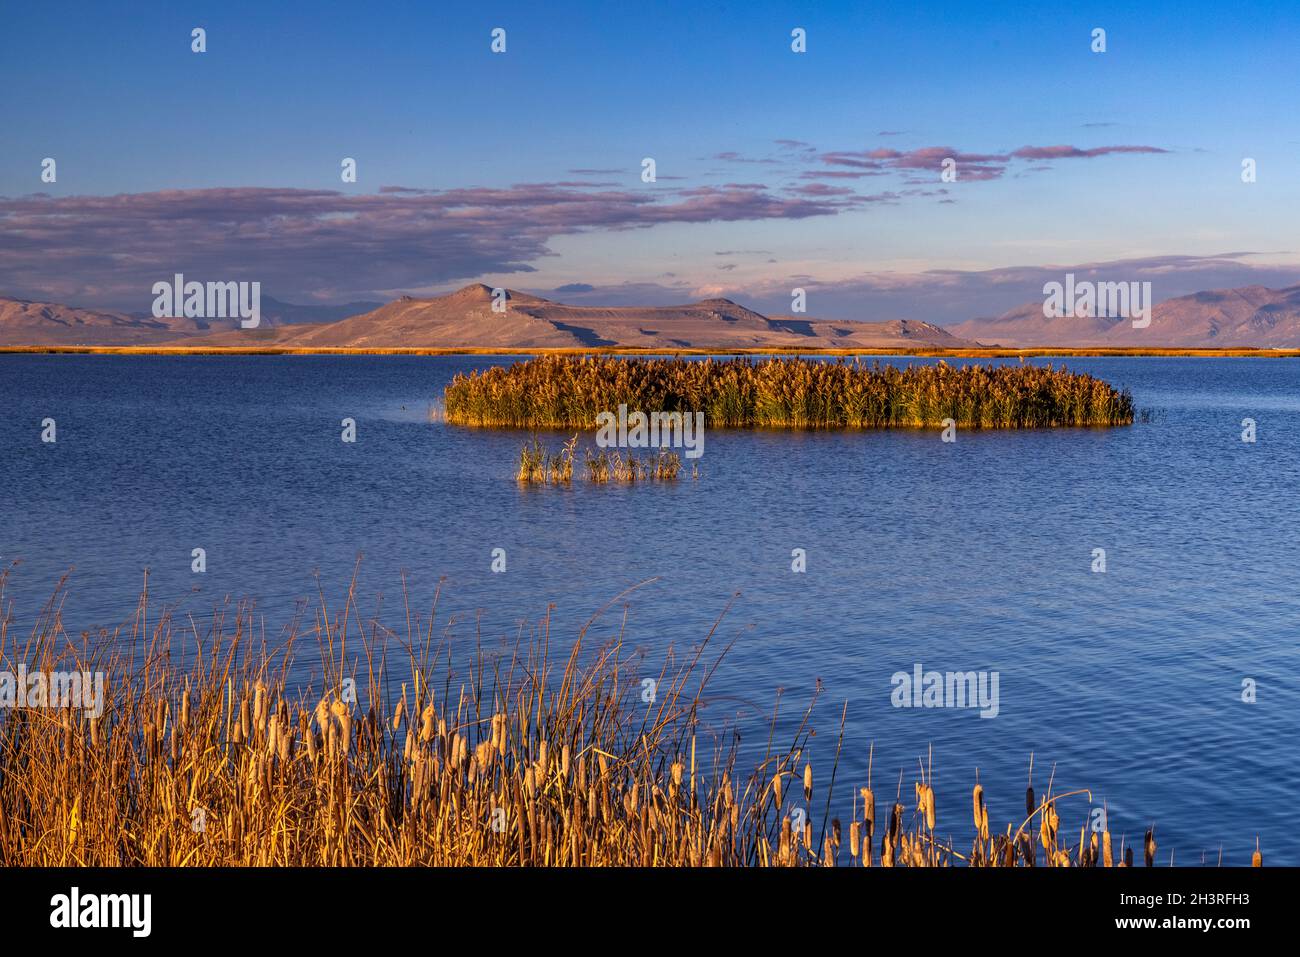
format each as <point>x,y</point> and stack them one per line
<point>414,94</point>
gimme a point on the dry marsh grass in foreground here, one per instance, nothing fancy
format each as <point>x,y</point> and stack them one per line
<point>569,392</point>
<point>204,756</point>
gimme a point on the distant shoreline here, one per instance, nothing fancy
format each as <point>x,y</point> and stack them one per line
<point>992,352</point>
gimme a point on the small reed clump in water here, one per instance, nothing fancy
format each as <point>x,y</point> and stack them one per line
<point>569,392</point>
<point>207,754</point>
<point>537,466</point>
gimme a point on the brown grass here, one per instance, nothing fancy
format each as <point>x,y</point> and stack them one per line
<point>209,754</point>
<point>567,392</point>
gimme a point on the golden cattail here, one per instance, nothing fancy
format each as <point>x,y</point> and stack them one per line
<point>426,724</point>
<point>807,781</point>
<point>323,715</point>
<point>499,733</point>
<point>776,787</point>
<point>1149,846</point>
<point>344,716</point>
<point>1257,859</point>
<point>259,707</point>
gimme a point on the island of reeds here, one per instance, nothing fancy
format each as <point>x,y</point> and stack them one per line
<point>206,752</point>
<point>565,392</point>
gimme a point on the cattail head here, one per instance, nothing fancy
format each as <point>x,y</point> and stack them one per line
<point>426,724</point>
<point>807,781</point>
<point>1257,859</point>
<point>1149,846</point>
<point>776,787</point>
<point>499,733</point>
<point>340,711</point>
<point>323,715</point>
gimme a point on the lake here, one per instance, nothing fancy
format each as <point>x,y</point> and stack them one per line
<point>971,556</point>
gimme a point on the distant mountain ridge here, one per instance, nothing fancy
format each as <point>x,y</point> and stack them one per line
<point>1247,317</point>
<point>466,319</point>
<point>27,323</point>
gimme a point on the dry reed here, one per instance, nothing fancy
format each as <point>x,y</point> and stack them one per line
<point>569,392</point>
<point>207,753</point>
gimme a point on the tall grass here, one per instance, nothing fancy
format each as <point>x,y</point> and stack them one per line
<point>568,392</point>
<point>208,754</point>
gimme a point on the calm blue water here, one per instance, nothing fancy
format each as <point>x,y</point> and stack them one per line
<point>970,556</point>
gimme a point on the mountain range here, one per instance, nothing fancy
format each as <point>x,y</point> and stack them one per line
<point>1253,317</point>
<point>25,323</point>
<point>1248,317</point>
<point>466,319</point>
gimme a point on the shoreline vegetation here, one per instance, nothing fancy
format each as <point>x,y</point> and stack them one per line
<point>565,392</point>
<point>207,754</point>
<point>982,352</point>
